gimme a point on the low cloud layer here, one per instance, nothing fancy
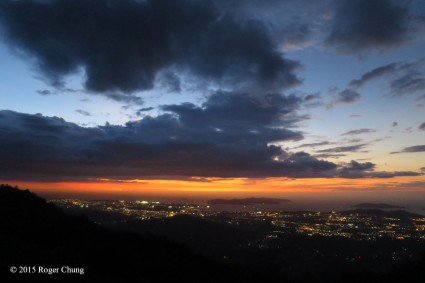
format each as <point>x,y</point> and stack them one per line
<point>366,170</point>
<point>231,135</point>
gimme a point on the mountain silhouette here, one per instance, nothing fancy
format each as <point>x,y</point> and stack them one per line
<point>401,214</point>
<point>248,201</point>
<point>37,233</point>
<point>215,239</point>
<point>370,205</point>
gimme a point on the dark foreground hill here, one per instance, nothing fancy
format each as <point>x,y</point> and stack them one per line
<point>38,234</point>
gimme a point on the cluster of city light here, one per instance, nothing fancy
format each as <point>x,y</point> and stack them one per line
<point>354,225</point>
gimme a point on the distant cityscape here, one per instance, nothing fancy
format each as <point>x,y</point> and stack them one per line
<point>359,224</point>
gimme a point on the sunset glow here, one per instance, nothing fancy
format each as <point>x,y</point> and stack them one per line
<point>333,189</point>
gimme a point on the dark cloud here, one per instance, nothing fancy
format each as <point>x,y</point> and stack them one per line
<point>170,81</point>
<point>422,126</point>
<point>225,111</point>
<point>301,165</point>
<point>358,132</point>
<point>124,46</point>
<point>354,165</point>
<point>231,135</point>
<point>356,169</point>
<point>377,174</point>
<point>293,22</point>
<point>256,8</point>
<point>83,112</point>
<point>296,36</point>
<point>416,148</point>
<point>362,25</point>
<point>186,141</point>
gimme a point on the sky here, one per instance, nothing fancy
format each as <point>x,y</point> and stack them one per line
<point>207,98</point>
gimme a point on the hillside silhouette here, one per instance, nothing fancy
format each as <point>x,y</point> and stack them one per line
<point>401,214</point>
<point>215,239</point>
<point>291,258</point>
<point>36,233</point>
<point>370,205</point>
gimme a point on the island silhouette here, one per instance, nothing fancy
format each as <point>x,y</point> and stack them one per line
<point>377,205</point>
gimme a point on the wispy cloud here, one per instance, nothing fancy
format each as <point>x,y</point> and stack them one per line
<point>350,148</point>
<point>410,149</point>
<point>346,96</point>
<point>401,78</point>
<point>83,112</point>
<point>314,144</point>
<point>358,132</point>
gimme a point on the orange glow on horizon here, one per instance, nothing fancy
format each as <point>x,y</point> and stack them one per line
<point>207,187</point>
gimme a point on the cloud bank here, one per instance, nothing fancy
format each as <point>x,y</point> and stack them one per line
<point>230,135</point>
